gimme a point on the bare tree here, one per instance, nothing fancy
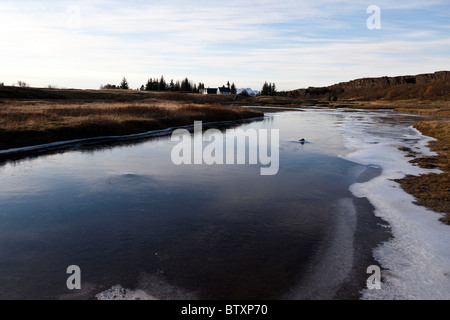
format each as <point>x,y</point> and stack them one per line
<point>22,84</point>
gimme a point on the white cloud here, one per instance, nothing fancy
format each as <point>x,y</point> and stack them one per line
<point>294,43</point>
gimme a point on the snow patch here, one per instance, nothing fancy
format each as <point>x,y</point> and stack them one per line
<point>417,259</point>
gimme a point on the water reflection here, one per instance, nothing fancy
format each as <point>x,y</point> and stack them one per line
<point>123,209</point>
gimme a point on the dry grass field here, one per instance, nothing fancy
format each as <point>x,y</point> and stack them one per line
<point>49,115</point>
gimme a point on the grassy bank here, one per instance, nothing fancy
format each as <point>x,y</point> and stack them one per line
<point>440,109</point>
<point>430,190</point>
<point>31,116</point>
<point>433,190</point>
<point>26,123</point>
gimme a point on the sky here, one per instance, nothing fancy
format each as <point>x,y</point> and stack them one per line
<point>295,44</point>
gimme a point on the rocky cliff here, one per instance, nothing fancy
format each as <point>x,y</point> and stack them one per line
<point>432,86</point>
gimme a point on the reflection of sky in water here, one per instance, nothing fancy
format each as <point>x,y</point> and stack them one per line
<point>122,211</point>
<point>61,170</point>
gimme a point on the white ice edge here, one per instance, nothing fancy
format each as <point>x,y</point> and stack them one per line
<point>417,259</point>
<point>152,133</point>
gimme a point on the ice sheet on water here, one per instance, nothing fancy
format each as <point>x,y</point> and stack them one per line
<point>417,259</point>
<point>333,263</point>
<point>150,287</point>
<point>117,292</point>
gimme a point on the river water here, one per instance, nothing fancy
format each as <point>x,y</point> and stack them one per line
<point>125,214</point>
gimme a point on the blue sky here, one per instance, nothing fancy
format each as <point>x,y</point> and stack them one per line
<point>296,44</point>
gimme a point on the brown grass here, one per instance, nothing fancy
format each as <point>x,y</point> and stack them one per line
<point>24,123</point>
<point>433,190</point>
<point>119,96</point>
<point>440,109</point>
<point>439,129</point>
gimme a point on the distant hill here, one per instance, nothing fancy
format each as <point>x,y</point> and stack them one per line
<point>430,86</point>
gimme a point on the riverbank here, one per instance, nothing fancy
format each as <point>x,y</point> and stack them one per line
<point>414,262</point>
<point>430,190</point>
<point>28,123</point>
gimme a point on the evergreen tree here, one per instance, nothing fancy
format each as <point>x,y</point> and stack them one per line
<point>162,85</point>
<point>186,85</point>
<point>172,85</point>
<point>273,90</point>
<point>269,89</point>
<point>233,89</point>
<point>155,84</point>
<point>124,84</point>
<point>148,86</point>
<point>265,91</point>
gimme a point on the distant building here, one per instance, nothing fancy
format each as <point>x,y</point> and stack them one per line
<point>221,90</point>
<point>209,91</point>
<point>224,90</point>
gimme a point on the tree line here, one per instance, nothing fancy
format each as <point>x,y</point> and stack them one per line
<point>185,85</point>
<point>160,84</point>
<point>269,89</point>
<point>155,84</point>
